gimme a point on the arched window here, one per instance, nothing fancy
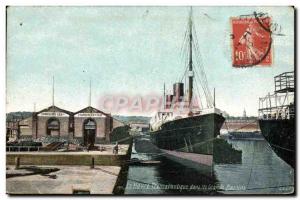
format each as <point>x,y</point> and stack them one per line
<point>90,125</point>
<point>53,127</point>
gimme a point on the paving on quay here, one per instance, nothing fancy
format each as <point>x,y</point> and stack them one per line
<point>65,180</point>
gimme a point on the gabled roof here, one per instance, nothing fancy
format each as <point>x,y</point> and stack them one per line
<point>90,109</point>
<point>55,109</point>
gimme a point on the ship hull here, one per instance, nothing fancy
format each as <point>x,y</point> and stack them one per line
<point>280,134</point>
<point>189,141</point>
<point>198,162</point>
<point>192,134</point>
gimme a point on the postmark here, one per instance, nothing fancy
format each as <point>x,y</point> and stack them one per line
<point>251,41</point>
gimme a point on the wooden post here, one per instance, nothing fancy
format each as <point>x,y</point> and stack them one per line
<point>93,163</point>
<point>17,162</point>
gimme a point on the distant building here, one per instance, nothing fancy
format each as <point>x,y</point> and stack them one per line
<point>244,113</point>
<point>12,127</point>
<point>139,126</point>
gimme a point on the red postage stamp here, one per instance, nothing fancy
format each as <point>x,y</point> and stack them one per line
<point>251,41</point>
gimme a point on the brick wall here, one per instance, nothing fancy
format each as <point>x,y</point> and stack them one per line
<point>78,126</point>
<point>105,126</point>
<point>42,126</point>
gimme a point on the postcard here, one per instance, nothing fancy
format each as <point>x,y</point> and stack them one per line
<point>150,100</point>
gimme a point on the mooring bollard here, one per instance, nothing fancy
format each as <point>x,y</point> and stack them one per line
<point>93,163</point>
<point>17,162</point>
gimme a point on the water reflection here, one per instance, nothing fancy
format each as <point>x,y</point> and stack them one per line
<point>261,172</point>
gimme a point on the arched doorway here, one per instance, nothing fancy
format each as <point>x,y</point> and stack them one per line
<point>53,127</point>
<point>89,132</point>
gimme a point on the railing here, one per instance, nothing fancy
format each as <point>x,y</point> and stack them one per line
<point>277,106</point>
<point>284,82</point>
<point>21,148</point>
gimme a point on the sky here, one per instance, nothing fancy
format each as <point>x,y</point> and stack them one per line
<point>132,51</point>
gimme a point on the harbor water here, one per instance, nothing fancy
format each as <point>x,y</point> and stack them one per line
<point>261,172</point>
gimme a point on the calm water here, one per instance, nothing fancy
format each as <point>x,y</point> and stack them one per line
<point>261,172</point>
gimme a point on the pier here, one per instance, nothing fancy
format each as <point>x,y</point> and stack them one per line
<point>70,158</point>
<point>67,180</point>
<point>82,172</point>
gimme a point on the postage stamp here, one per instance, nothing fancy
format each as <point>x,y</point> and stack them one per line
<point>251,41</point>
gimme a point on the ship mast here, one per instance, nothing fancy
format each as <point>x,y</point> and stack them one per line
<point>52,91</point>
<point>164,99</point>
<point>191,73</point>
<point>90,94</point>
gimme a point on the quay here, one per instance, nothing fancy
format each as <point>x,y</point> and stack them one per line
<point>106,157</point>
<point>82,172</point>
<point>67,180</point>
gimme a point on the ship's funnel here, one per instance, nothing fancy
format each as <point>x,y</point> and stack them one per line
<point>169,98</point>
<point>178,92</point>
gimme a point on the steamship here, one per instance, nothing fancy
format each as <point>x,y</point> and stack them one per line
<point>183,130</point>
<point>277,117</point>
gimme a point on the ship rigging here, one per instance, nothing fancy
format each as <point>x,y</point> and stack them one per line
<point>194,74</point>
<point>183,131</point>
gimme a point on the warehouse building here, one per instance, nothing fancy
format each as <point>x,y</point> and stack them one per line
<point>52,121</point>
<point>88,124</point>
<point>91,124</point>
